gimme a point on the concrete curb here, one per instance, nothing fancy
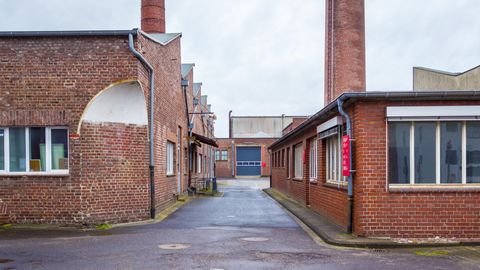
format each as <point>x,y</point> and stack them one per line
<point>329,233</point>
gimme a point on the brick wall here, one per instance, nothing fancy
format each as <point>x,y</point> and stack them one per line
<point>48,82</point>
<point>379,212</point>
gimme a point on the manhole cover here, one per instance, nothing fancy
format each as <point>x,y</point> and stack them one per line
<point>254,239</point>
<point>173,246</point>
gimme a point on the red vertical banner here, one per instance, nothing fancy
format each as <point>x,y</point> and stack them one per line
<point>346,155</point>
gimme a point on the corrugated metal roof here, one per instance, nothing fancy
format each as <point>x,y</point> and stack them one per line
<point>186,68</point>
<point>196,88</point>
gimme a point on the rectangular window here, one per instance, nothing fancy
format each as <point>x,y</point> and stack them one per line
<point>399,152</point>
<point>288,163</point>
<point>451,152</point>
<point>199,165</point>
<point>17,155</point>
<point>333,158</point>
<point>33,149</point>
<point>283,158</point>
<point>313,160</point>
<point>473,152</point>
<point>297,157</point>
<point>224,155</point>
<point>425,152</point>
<point>217,154</point>
<point>170,149</point>
<point>185,160</point>
<point>428,152</point>
<point>2,149</point>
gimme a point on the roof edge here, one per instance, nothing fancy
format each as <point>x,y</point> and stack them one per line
<point>453,74</point>
<point>73,33</point>
<point>353,96</point>
<point>150,37</point>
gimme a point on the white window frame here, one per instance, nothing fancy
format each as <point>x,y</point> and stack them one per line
<point>313,159</point>
<point>222,157</point>
<point>170,151</point>
<point>298,161</point>
<point>333,162</point>
<point>218,154</point>
<point>199,163</point>
<point>48,152</point>
<point>437,153</point>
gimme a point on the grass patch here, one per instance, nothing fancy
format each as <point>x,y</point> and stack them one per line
<point>433,253</point>
<point>103,227</point>
<point>6,226</point>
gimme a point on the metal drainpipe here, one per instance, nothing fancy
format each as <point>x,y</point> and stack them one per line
<point>350,177</point>
<point>185,88</point>
<point>150,124</point>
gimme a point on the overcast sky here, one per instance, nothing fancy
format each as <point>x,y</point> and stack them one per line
<point>265,57</point>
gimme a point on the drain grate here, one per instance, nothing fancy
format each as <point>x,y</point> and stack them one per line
<point>173,246</point>
<point>254,239</point>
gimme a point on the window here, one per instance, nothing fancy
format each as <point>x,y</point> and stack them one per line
<point>2,150</point>
<point>221,155</point>
<point>185,160</point>
<point>333,158</point>
<point>33,149</point>
<point>434,152</point>
<point>288,163</point>
<point>297,157</point>
<point>199,165</point>
<point>283,158</point>
<point>313,160</point>
<point>170,151</point>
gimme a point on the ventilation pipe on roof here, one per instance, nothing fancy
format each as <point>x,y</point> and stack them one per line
<point>350,178</point>
<point>150,124</point>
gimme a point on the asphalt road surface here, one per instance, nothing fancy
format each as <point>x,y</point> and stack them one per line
<point>244,229</point>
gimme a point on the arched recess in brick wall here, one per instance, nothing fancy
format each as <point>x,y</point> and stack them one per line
<point>121,102</point>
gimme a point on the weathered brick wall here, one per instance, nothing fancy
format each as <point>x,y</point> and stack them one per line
<point>169,112</point>
<point>223,168</point>
<point>416,213</point>
<point>48,82</point>
<point>114,173</point>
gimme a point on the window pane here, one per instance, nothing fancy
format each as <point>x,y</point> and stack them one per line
<point>170,148</point>
<point>399,152</point>
<point>224,155</point>
<point>18,161</point>
<point>2,149</point>
<point>37,149</point>
<point>59,149</point>
<point>425,157</point>
<point>473,152</point>
<point>451,152</point>
<point>217,155</point>
<point>298,161</point>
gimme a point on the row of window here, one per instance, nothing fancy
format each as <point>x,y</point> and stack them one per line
<point>434,152</point>
<point>221,155</point>
<point>200,162</point>
<point>33,149</point>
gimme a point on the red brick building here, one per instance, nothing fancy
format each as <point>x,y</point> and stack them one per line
<point>412,168</point>
<point>245,152</point>
<point>92,123</point>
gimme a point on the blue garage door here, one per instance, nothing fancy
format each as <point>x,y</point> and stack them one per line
<point>248,161</point>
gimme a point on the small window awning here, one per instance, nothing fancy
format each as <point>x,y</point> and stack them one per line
<point>203,139</point>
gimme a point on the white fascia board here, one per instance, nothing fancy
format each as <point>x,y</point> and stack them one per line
<point>333,122</point>
<point>433,111</point>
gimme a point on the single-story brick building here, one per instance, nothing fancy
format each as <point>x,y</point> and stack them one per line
<point>383,164</point>
<point>93,123</point>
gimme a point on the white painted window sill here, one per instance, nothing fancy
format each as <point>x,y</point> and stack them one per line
<point>62,173</point>
<point>433,187</point>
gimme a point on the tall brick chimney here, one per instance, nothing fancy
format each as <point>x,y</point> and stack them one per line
<point>153,16</point>
<point>344,48</point>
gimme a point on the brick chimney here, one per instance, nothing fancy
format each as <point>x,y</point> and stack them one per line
<point>153,16</point>
<point>344,48</point>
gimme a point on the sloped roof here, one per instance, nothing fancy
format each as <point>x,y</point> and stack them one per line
<point>196,88</point>
<point>162,38</point>
<point>446,72</point>
<point>186,69</point>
